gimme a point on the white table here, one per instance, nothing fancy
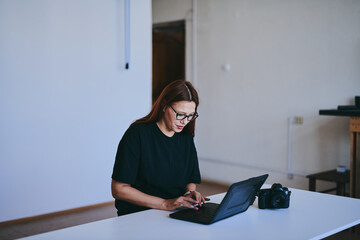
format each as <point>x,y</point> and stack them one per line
<point>311,216</point>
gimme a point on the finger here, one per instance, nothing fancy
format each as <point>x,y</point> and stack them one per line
<point>190,200</point>
<point>183,203</point>
<point>189,205</point>
<point>197,196</point>
<point>202,200</point>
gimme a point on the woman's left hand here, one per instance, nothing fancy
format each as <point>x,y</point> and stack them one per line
<point>198,197</point>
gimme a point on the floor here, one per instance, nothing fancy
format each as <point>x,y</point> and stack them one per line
<point>23,229</point>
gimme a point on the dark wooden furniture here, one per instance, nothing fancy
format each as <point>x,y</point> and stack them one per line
<point>354,116</point>
<point>341,179</point>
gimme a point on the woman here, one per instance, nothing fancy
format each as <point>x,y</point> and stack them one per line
<point>156,163</point>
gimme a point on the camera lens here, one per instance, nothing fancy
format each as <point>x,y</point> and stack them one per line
<point>277,200</point>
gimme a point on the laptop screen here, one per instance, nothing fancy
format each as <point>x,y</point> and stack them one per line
<point>240,196</point>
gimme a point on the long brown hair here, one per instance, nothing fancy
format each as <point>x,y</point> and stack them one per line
<point>178,90</point>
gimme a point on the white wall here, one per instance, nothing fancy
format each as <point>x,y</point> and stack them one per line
<point>287,58</point>
<point>66,99</point>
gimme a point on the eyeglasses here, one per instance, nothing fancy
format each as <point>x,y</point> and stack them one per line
<point>182,116</point>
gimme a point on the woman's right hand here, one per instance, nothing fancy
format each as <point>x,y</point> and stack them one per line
<point>172,204</point>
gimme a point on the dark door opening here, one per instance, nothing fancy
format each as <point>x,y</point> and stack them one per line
<point>168,55</point>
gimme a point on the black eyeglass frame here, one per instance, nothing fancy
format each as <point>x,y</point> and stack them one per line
<point>183,116</point>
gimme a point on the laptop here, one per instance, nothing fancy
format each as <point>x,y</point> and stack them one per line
<point>238,199</point>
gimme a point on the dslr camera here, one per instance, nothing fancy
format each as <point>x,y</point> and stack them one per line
<point>275,197</point>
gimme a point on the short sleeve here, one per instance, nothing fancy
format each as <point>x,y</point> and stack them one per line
<point>127,157</point>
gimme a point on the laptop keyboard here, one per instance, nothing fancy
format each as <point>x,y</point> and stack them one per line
<point>204,215</point>
<point>238,199</point>
<point>207,211</point>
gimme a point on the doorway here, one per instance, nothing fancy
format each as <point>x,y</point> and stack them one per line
<point>168,55</point>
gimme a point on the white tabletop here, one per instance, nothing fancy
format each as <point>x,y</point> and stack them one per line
<point>310,216</point>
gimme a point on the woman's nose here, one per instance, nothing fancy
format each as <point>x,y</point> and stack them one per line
<point>184,121</point>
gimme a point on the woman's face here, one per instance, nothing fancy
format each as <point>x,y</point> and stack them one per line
<point>170,124</point>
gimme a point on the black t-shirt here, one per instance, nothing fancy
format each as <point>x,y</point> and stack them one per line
<point>154,163</point>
